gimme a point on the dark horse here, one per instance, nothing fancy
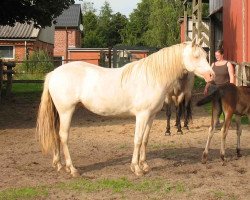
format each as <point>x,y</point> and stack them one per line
<point>181,97</point>
<point>231,100</point>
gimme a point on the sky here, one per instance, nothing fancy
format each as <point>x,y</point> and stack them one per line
<point>125,7</point>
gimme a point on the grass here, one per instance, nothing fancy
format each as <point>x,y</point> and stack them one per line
<point>23,193</point>
<point>26,91</point>
<point>121,186</point>
<point>21,88</point>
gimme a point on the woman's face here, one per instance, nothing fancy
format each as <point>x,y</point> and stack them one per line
<point>218,56</point>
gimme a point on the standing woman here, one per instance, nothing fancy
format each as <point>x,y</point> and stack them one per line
<point>224,72</point>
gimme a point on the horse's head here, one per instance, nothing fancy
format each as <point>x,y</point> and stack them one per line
<point>195,60</point>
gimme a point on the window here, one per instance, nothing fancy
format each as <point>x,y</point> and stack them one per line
<point>6,51</point>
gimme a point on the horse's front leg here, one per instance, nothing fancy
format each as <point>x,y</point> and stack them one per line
<point>187,113</point>
<point>210,133</point>
<point>238,132</point>
<point>142,162</point>
<point>141,123</point>
<point>178,118</point>
<point>65,120</point>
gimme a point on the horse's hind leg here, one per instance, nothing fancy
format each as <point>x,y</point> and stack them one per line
<point>238,132</point>
<point>224,131</point>
<point>168,115</point>
<point>56,157</point>
<point>178,118</point>
<point>65,120</point>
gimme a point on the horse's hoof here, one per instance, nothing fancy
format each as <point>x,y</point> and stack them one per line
<point>136,170</point>
<point>75,174</point>
<point>180,132</point>
<point>204,158</point>
<point>224,160</point>
<point>59,167</point>
<point>145,167</point>
<point>238,153</point>
<point>67,169</point>
<point>167,133</point>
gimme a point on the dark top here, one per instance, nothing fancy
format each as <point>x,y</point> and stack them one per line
<point>221,74</point>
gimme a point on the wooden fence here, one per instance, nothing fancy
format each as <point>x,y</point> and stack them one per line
<point>6,69</point>
<point>242,73</point>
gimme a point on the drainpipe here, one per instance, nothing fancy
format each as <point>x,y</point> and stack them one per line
<point>25,48</point>
<point>67,44</point>
<point>244,30</point>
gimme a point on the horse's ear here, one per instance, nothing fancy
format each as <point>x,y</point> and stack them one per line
<point>200,41</point>
<point>193,42</point>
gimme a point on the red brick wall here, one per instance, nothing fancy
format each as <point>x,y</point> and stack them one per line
<point>74,40</point>
<point>19,48</point>
<point>92,57</point>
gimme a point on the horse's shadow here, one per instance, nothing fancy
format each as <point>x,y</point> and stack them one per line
<point>176,156</point>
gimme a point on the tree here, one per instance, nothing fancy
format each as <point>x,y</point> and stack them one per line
<point>41,12</point>
<point>138,23</point>
<point>104,22</point>
<point>91,35</point>
<point>88,7</point>
<point>163,29</point>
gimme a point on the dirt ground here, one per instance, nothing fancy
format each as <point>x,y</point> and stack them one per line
<point>101,147</point>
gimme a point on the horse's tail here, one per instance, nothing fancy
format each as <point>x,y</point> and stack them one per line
<point>47,127</point>
<point>214,95</point>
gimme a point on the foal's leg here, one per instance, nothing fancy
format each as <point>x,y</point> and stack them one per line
<point>65,120</point>
<point>210,131</point>
<point>142,162</point>
<point>238,132</point>
<point>168,115</point>
<point>224,131</point>
<point>141,124</point>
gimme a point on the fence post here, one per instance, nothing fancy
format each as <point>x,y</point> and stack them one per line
<point>9,65</point>
<point>1,78</point>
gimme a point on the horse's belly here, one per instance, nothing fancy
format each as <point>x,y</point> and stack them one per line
<point>107,110</point>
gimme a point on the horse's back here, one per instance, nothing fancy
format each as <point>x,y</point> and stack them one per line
<point>66,81</point>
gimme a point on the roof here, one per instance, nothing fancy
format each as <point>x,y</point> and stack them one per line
<point>203,1</point>
<point>70,17</point>
<point>19,31</point>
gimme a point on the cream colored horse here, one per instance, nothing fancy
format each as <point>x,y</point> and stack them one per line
<point>138,89</point>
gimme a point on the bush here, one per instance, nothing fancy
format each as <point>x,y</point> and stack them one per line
<point>199,83</point>
<point>38,64</point>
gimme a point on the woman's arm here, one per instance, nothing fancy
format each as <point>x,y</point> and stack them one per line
<point>231,72</point>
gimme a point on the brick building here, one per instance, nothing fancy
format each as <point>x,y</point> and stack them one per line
<point>67,31</point>
<point>17,42</point>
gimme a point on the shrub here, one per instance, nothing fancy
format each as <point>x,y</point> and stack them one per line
<point>38,64</point>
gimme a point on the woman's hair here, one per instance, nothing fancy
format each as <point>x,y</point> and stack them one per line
<point>220,50</point>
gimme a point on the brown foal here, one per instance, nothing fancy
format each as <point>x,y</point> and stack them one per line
<point>231,100</point>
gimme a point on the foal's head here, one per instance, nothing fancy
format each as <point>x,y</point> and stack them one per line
<point>195,60</point>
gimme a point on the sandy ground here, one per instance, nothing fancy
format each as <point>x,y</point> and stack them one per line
<point>101,147</point>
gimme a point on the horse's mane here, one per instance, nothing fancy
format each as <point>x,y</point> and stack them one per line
<point>159,66</point>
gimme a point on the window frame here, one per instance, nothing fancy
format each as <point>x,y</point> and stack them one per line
<point>13,51</point>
